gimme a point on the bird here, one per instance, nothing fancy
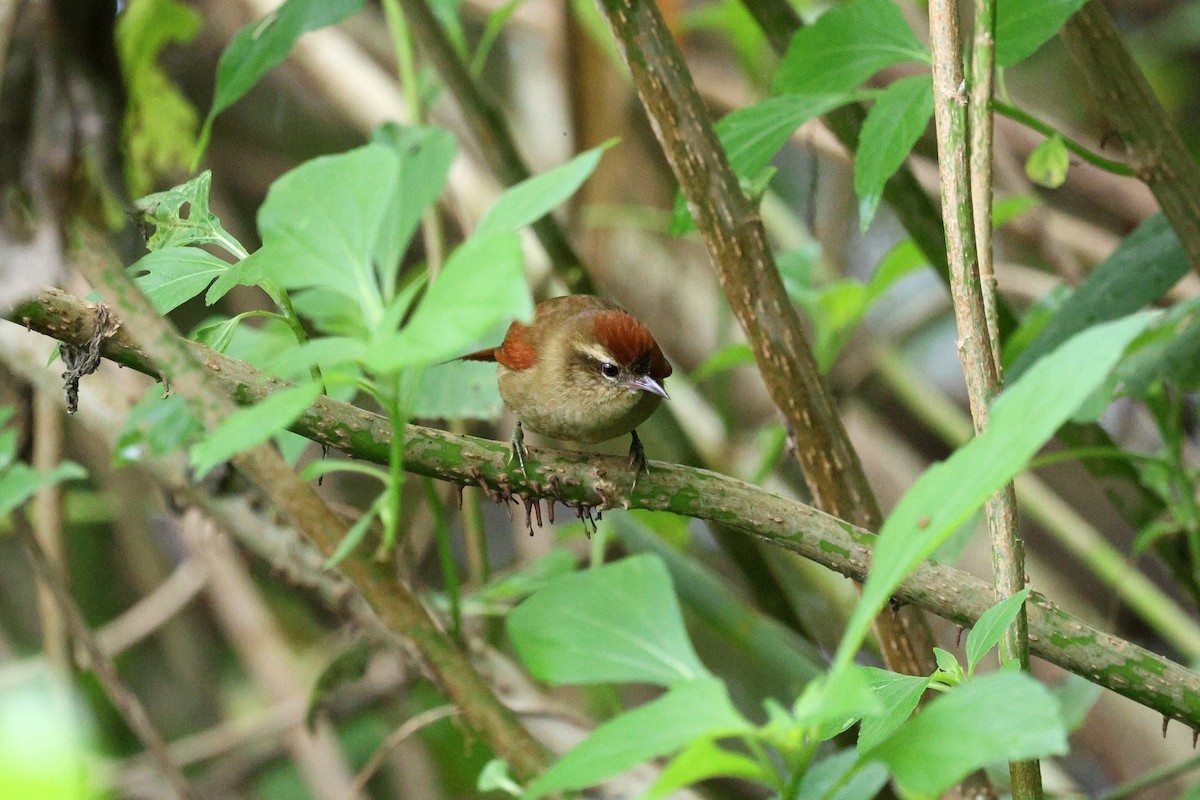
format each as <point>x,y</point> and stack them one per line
<point>584,370</point>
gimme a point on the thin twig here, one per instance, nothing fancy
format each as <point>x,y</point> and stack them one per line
<point>1046,129</point>
<point>125,701</point>
<point>48,522</point>
<point>394,740</point>
<point>977,349</point>
<point>153,611</point>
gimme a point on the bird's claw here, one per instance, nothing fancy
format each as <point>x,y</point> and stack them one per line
<point>519,450</point>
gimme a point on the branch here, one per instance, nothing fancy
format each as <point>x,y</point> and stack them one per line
<point>1120,89</point>
<point>589,479</point>
<point>968,243</point>
<point>746,270</point>
<point>191,372</point>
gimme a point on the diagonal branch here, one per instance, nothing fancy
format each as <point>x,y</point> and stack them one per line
<point>191,374</point>
<point>1120,89</point>
<point>746,270</point>
<point>588,479</point>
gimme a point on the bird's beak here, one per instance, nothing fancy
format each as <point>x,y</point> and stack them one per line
<point>645,383</point>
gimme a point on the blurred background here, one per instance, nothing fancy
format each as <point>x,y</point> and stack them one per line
<point>224,645</point>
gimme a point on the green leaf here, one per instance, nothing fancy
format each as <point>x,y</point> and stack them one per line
<point>263,45</point>
<point>19,482</point>
<point>175,227</point>
<point>990,626</point>
<point>618,623</point>
<point>170,277</point>
<point>457,390</point>
<point>424,156</point>
<point>753,135</point>
<point>250,426</point>
<point>320,224</point>
<point>1075,696</point>
<point>535,197</point>
<point>948,667</point>
<point>899,695</point>
<point>1022,27</point>
<point>893,125</point>
<point>482,283</point>
<point>217,334</point>
<point>702,760</point>
<point>1022,419</point>
<point>723,360</point>
<point>159,128</point>
<point>845,46</point>
<point>688,711</point>
<point>841,777</point>
<point>155,426</point>
<point>1144,266</point>
<point>1002,716</point>
<point>1048,163</point>
<point>494,777</point>
<point>354,536</point>
<point>828,705</point>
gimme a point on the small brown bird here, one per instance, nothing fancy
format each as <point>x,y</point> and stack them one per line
<point>584,370</point>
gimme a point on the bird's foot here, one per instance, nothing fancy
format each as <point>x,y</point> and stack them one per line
<point>637,460</point>
<point>519,450</point>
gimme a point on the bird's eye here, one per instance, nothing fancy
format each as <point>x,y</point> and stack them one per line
<point>610,370</point>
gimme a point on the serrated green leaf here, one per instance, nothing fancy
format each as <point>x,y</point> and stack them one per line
<point>898,695</point>
<point>1002,716</point>
<point>845,46</point>
<point>617,623</point>
<point>1144,266</point>
<point>535,197</point>
<point>170,277</point>
<point>990,626</point>
<point>1022,27</point>
<point>1021,420</point>
<point>688,711</point>
<point>320,224</point>
<point>263,45</point>
<point>951,671</point>
<point>251,426</point>
<point>1047,165</point>
<point>181,217</point>
<point>893,125</point>
<point>482,283</point>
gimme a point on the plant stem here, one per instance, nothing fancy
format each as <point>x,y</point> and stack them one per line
<point>1030,121</point>
<point>441,534</point>
<point>977,340</point>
